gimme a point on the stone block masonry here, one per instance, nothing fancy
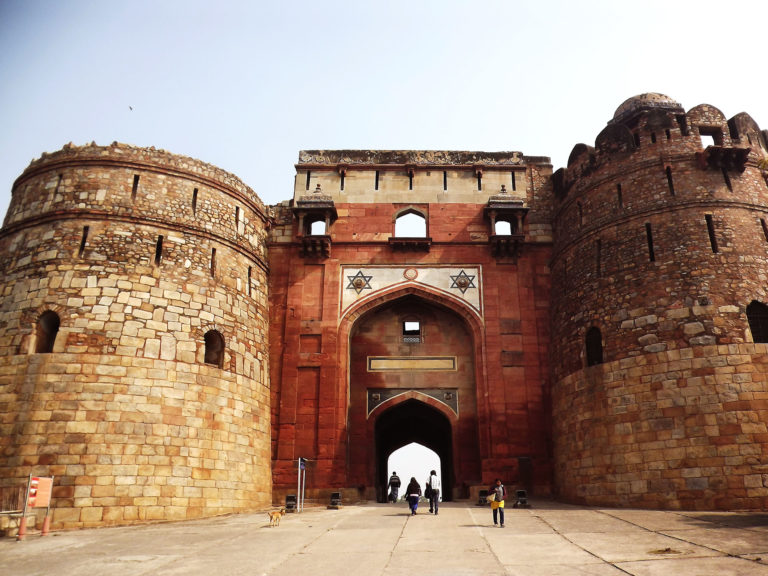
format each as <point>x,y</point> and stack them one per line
<point>169,346</point>
<point>130,410</point>
<point>661,252</point>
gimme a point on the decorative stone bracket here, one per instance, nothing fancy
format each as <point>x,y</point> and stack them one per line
<point>420,244</point>
<point>723,157</point>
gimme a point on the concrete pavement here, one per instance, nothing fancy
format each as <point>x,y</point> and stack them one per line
<point>549,539</point>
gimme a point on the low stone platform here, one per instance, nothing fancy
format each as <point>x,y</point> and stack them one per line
<point>549,539</point>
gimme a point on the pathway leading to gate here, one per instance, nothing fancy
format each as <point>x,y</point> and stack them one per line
<point>549,539</point>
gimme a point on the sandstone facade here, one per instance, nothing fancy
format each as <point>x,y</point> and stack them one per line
<point>660,248</point>
<point>352,382</point>
<point>126,411</point>
<point>169,346</point>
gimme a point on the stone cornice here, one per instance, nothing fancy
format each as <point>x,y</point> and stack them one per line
<point>402,158</point>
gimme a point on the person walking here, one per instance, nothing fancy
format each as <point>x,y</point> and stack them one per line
<point>394,486</point>
<point>413,493</point>
<point>434,491</point>
<point>499,493</point>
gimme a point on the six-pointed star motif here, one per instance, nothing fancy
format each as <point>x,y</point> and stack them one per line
<point>463,282</point>
<point>359,282</point>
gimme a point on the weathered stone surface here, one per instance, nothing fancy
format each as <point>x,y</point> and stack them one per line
<point>116,397</point>
<point>651,204</point>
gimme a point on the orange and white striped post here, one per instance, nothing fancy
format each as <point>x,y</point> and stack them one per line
<point>38,495</point>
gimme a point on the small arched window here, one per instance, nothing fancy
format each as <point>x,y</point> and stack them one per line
<point>214,348</point>
<point>594,345</point>
<point>411,225</point>
<point>503,228</point>
<point>47,328</point>
<point>317,228</point>
<point>757,316</point>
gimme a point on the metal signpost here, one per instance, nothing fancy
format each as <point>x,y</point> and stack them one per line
<point>302,483</point>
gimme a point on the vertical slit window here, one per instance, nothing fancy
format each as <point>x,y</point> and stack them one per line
<point>598,255</point>
<point>376,181</point>
<point>410,180</point>
<point>765,228</point>
<point>619,197</point>
<point>445,180</point>
<point>342,180</point>
<point>653,137</point>
<point>250,274</point>
<point>670,183</point>
<point>213,261</point>
<point>683,124</point>
<point>727,179</point>
<point>636,137</point>
<point>649,238</point>
<point>668,133</point>
<point>309,175</point>
<point>479,181</point>
<point>58,183</point>
<point>711,232</point>
<point>514,182</point>
<point>83,242</point>
<point>194,201</point>
<point>158,250</point>
<point>135,188</point>
<point>237,219</point>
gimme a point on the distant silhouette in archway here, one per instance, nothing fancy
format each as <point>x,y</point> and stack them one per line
<point>413,421</point>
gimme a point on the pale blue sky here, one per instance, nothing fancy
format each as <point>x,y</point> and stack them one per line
<point>246,85</point>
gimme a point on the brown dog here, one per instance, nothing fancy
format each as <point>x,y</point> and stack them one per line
<point>274,517</point>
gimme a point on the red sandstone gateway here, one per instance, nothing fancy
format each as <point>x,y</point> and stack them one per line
<point>170,347</point>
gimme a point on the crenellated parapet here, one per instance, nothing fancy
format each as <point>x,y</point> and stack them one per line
<point>126,183</point>
<point>660,255</point>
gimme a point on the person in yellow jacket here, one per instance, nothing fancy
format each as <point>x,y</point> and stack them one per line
<point>499,493</point>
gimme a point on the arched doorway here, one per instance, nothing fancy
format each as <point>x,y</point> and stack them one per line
<point>413,421</point>
<point>412,378</point>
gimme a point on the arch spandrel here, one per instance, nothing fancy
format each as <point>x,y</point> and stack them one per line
<point>459,284</point>
<point>448,407</point>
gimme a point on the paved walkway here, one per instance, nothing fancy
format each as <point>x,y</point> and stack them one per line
<point>549,539</point>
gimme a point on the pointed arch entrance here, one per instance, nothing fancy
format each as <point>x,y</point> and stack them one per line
<point>413,421</point>
<point>413,377</point>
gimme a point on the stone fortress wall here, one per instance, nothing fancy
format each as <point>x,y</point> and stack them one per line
<point>660,247</point>
<point>153,402</point>
<point>135,332</point>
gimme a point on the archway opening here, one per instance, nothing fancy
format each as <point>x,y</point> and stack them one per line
<point>412,372</point>
<point>413,422</point>
<point>413,460</point>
